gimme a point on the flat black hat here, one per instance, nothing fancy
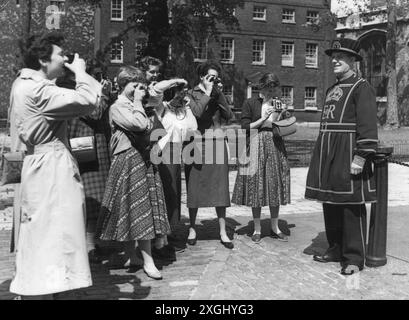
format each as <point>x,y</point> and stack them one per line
<point>346,45</point>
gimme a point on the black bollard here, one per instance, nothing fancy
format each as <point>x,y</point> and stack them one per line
<point>376,252</point>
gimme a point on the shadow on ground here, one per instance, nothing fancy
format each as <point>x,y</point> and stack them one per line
<point>265,228</point>
<point>318,246</point>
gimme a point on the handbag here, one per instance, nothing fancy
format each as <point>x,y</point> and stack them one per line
<point>11,162</point>
<point>84,149</point>
<point>285,125</point>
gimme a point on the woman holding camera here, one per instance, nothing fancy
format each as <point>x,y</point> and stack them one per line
<point>179,123</point>
<point>267,181</point>
<point>133,207</point>
<point>208,183</point>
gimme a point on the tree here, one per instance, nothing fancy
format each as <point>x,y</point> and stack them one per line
<point>173,24</point>
<point>362,11</point>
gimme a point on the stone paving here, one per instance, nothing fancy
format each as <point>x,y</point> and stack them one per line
<point>269,270</point>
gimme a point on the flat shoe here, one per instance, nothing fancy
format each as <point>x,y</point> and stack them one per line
<point>350,270</point>
<point>156,275</point>
<point>228,245</point>
<point>256,237</point>
<point>192,242</point>
<point>279,236</point>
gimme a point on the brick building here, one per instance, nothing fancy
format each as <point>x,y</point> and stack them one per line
<point>74,19</point>
<point>275,35</point>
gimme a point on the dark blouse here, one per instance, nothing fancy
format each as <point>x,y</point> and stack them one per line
<point>250,112</point>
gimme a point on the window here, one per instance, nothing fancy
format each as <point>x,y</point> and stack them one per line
<point>60,4</point>
<point>311,55</point>
<point>259,52</point>
<point>259,13</point>
<point>200,47</point>
<point>227,50</point>
<point>287,96</point>
<point>255,91</point>
<point>287,54</point>
<point>117,52</point>
<point>117,10</point>
<point>312,16</point>
<point>140,46</point>
<point>288,16</point>
<point>228,93</point>
<point>310,100</point>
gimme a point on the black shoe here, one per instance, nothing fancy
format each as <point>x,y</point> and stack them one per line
<point>192,242</point>
<point>279,236</point>
<point>94,257</point>
<point>228,245</point>
<point>331,255</point>
<point>350,269</point>
<point>175,248</point>
<point>256,237</point>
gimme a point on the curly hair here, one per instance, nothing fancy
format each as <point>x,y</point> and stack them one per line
<point>147,61</point>
<point>39,47</point>
<point>269,80</point>
<point>203,68</point>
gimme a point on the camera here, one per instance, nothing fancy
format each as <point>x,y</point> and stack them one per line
<point>70,57</point>
<point>215,80</point>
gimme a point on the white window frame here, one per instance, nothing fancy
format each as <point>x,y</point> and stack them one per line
<point>310,103</point>
<point>311,56</point>
<point>140,44</point>
<point>231,59</point>
<point>291,61</point>
<point>286,13</point>
<point>198,44</point>
<point>262,11</point>
<point>262,51</point>
<point>117,9</point>
<point>230,95</point>
<point>290,105</point>
<point>122,52</point>
<point>61,4</point>
<point>311,18</point>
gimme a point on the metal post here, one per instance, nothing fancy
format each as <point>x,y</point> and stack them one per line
<point>376,252</point>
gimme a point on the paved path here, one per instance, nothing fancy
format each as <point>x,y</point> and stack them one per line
<point>398,196</point>
<point>269,270</point>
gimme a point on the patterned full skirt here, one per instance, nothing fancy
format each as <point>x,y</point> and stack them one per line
<point>265,180</point>
<point>133,207</point>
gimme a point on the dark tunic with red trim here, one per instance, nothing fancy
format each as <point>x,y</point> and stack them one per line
<point>348,132</point>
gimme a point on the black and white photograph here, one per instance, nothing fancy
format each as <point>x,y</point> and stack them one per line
<point>203,155</point>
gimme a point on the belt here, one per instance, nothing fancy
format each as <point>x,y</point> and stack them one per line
<point>46,147</point>
<point>337,127</point>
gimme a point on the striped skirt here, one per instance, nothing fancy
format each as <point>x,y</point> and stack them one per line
<point>133,207</point>
<point>266,179</point>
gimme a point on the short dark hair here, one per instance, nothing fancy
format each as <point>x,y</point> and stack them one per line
<point>203,68</point>
<point>269,80</point>
<point>149,61</point>
<point>39,47</point>
<point>129,74</point>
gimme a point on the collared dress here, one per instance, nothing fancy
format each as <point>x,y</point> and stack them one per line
<point>348,132</point>
<point>207,177</point>
<point>51,253</point>
<point>263,178</point>
<point>133,206</point>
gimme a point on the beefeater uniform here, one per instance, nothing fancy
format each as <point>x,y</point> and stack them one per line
<point>348,133</point>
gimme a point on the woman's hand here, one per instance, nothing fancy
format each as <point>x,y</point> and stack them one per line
<point>208,83</point>
<point>270,110</point>
<point>140,92</point>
